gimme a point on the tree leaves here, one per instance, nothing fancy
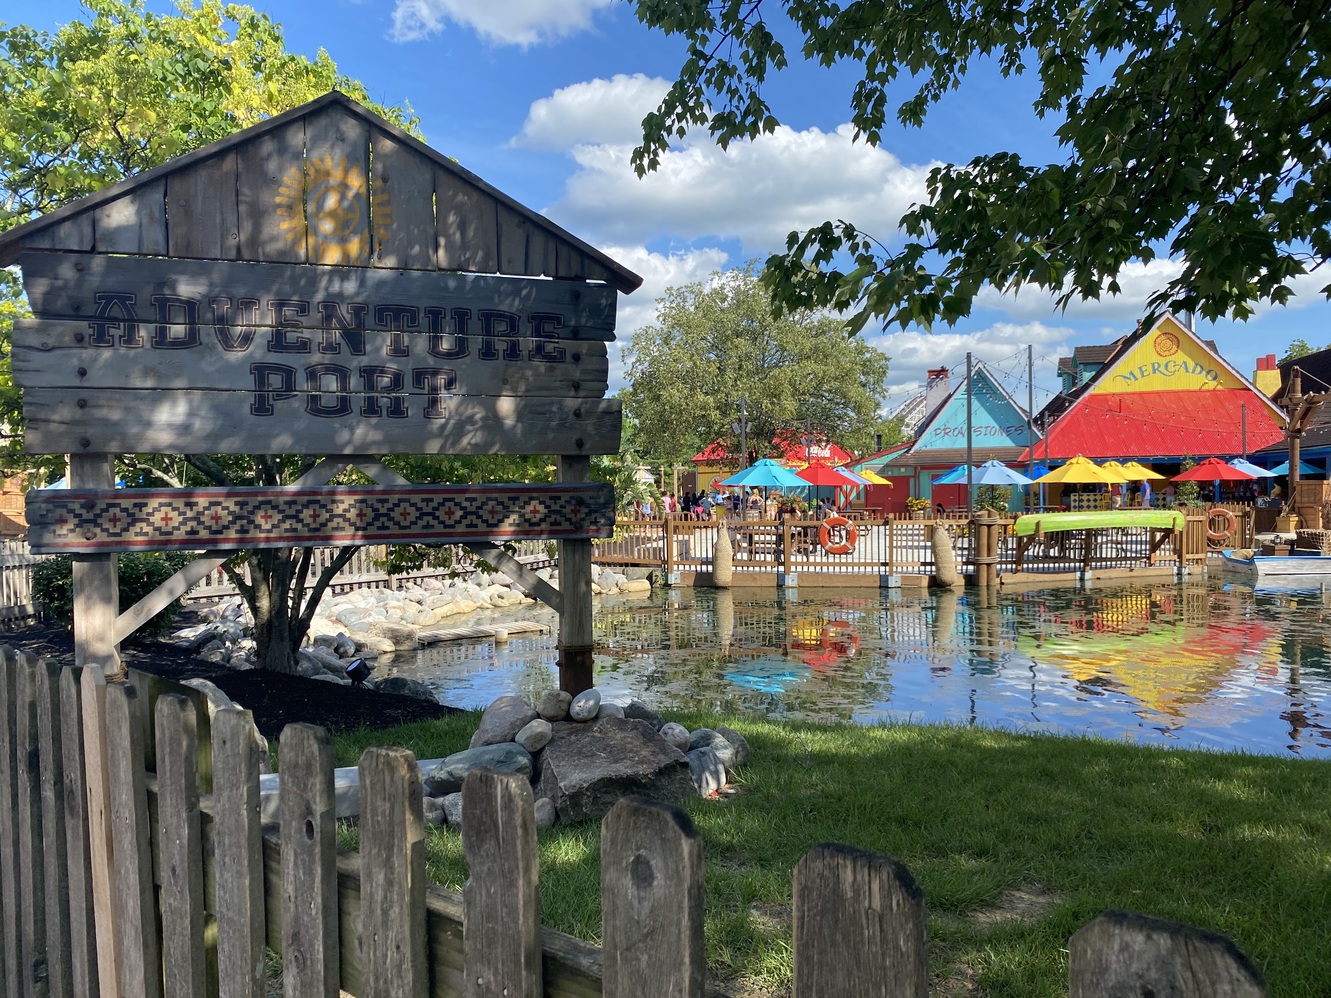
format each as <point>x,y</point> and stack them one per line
<point>1198,130</point>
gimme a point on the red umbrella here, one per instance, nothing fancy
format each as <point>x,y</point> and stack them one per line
<point>822,474</point>
<point>1214,470</point>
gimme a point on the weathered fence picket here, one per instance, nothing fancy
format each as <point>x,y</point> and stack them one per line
<point>370,923</point>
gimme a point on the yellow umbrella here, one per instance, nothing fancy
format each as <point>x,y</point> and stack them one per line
<point>1121,472</point>
<point>1079,471</point>
<point>1141,473</point>
<point>874,478</point>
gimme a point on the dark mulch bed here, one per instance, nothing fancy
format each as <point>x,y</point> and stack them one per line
<point>275,699</point>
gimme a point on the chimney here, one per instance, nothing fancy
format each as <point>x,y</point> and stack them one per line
<point>1266,378</point>
<point>936,388</point>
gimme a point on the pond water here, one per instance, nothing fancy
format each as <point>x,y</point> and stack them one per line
<point>1202,664</point>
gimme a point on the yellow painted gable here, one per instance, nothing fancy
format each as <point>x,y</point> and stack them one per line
<point>1169,358</point>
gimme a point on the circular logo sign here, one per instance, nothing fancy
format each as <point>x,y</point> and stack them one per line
<point>1166,344</point>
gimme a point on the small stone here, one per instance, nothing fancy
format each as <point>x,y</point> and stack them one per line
<point>434,811</point>
<point>453,809</point>
<point>403,686</point>
<point>709,775</point>
<point>717,742</point>
<point>545,813</point>
<point>553,705</point>
<point>535,735</point>
<point>737,741</point>
<point>675,735</point>
<point>585,705</point>
<point>502,720</point>
<point>447,775</point>
<point>609,710</point>
<point>638,709</point>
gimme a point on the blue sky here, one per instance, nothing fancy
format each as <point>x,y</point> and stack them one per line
<point>542,98</point>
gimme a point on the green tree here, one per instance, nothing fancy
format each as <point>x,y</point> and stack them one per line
<point>716,342</point>
<point>1299,348</point>
<point>118,93</point>
<point>1196,130</point>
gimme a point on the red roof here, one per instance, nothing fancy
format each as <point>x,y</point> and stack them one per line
<point>1161,425</point>
<point>789,448</point>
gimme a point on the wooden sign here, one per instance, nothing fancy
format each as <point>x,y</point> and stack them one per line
<point>73,521</point>
<point>153,355</point>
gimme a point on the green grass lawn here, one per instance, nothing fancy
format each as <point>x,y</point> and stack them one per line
<point>1016,840</point>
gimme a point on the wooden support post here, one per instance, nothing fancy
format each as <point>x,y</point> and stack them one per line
<point>96,586</point>
<point>1122,953</point>
<point>82,927</point>
<point>180,848</point>
<point>668,547</point>
<point>392,875</point>
<point>651,903</point>
<point>310,955</point>
<point>576,640</point>
<point>501,934</point>
<point>859,926</point>
<point>238,859</point>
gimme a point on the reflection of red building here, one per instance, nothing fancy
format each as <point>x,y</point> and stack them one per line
<point>825,646</point>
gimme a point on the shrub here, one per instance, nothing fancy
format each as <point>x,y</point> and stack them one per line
<point>140,573</point>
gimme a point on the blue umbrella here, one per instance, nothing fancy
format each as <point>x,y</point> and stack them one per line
<point>1252,469</point>
<point>1304,469</point>
<point>766,474</point>
<point>952,477</point>
<point>997,473</point>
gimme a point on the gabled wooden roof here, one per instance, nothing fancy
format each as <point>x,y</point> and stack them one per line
<point>328,182</point>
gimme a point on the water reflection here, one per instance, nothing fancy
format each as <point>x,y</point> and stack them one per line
<point>1203,664</point>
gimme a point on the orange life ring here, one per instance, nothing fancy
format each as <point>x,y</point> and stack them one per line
<point>1220,513</point>
<point>837,535</point>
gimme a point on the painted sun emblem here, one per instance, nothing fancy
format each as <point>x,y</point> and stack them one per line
<point>1166,344</point>
<point>334,211</point>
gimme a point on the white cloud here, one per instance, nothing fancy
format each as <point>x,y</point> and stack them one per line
<point>597,111</point>
<point>658,272</point>
<point>1137,282</point>
<point>500,22</point>
<point>756,192</point>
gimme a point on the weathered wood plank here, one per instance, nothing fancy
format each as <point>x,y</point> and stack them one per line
<point>337,188</point>
<point>101,839</point>
<point>467,226</point>
<point>652,903</point>
<point>164,595</point>
<point>96,582</point>
<point>309,872</point>
<point>513,232</point>
<point>203,219</point>
<point>501,928</point>
<point>74,233</point>
<point>238,852</point>
<point>138,293</point>
<point>392,875</point>
<point>31,866</point>
<point>577,642</point>
<point>521,574</point>
<point>180,849</point>
<point>9,853</point>
<point>82,929</point>
<point>135,223</point>
<point>401,205</point>
<point>55,854</point>
<point>858,926</point>
<point>255,516</point>
<point>122,422</point>
<point>1124,953</point>
<point>136,897</point>
<point>270,192</point>
<point>54,353</point>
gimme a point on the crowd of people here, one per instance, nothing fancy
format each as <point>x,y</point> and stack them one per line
<point>700,505</point>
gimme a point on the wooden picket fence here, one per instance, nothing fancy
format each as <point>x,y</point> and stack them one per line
<point>133,862</point>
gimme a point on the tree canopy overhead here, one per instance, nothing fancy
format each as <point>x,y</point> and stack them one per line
<point>1196,130</point>
<point>716,342</point>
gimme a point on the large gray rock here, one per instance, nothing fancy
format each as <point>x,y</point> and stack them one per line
<point>403,686</point>
<point>737,741</point>
<point>586,768</point>
<point>585,705</point>
<point>447,776</point>
<point>502,720</point>
<point>638,709</point>
<point>553,705</point>
<point>676,735</point>
<point>717,742</point>
<point>707,772</point>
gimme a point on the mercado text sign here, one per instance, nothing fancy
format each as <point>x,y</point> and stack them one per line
<point>358,359</point>
<point>72,521</point>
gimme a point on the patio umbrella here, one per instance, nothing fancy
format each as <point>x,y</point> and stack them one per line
<point>822,474</point>
<point>766,474</point>
<point>1119,471</point>
<point>873,478</point>
<point>854,478</point>
<point>952,476</point>
<point>1214,470</point>
<point>1141,473</point>
<point>1304,469</point>
<point>1079,471</point>
<point>1252,469</point>
<point>997,473</point>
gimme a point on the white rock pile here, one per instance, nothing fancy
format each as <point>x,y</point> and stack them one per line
<point>370,623</point>
<point>583,754</point>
